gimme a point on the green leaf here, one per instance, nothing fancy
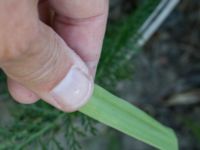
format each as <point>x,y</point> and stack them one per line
<point>128,119</point>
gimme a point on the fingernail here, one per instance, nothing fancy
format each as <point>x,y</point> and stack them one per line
<point>73,91</point>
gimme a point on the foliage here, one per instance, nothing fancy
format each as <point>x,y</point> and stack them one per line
<point>129,120</point>
<point>39,125</point>
<point>120,46</point>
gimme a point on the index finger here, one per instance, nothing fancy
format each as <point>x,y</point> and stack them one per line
<point>82,25</point>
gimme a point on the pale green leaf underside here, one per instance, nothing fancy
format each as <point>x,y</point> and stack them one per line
<point>128,119</point>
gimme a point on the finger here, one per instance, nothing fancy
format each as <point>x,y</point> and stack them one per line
<point>52,71</point>
<point>17,91</point>
<point>44,11</point>
<point>20,93</point>
<point>82,26</point>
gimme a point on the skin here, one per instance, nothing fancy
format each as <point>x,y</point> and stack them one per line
<point>41,39</point>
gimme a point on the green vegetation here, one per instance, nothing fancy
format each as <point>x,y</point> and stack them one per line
<point>39,125</point>
<point>128,119</point>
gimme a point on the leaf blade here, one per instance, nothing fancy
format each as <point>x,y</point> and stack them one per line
<point>128,119</point>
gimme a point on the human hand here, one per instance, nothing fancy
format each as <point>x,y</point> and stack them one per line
<point>51,56</point>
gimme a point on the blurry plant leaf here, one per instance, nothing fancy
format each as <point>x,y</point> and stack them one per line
<point>120,45</point>
<point>124,117</point>
<point>194,126</point>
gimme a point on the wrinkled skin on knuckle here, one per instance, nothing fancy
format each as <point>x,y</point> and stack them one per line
<point>19,28</point>
<point>90,8</point>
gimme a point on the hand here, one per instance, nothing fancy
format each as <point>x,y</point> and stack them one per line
<point>49,49</point>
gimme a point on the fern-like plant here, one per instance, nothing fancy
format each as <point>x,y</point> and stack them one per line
<point>40,126</point>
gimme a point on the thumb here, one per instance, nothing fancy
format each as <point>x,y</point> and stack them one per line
<point>52,71</point>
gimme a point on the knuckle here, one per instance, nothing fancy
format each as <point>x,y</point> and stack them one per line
<point>76,10</point>
<point>17,44</point>
<point>18,30</point>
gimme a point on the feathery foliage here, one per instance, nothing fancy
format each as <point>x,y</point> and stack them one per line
<point>40,125</point>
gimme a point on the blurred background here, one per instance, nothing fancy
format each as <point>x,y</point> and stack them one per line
<point>153,63</point>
